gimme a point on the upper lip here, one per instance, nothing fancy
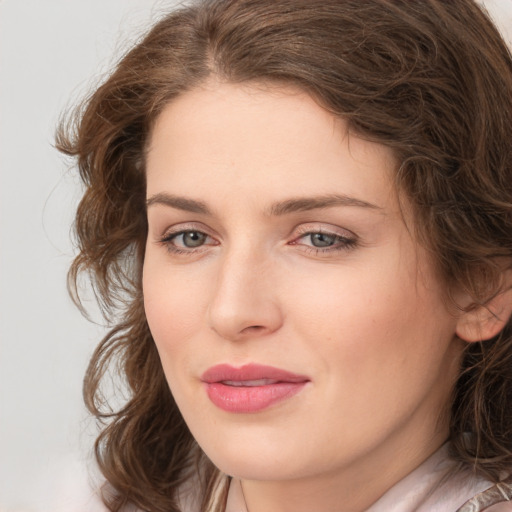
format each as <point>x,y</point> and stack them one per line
<point>249,372</point>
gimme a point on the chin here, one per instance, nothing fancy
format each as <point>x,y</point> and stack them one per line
<point>261,461</point>
<point>261,469</point>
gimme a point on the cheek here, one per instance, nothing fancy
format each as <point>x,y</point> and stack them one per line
<point>173,307</point>
<point>376,332</point>
<point>377,353</point>
<point>173,311</point>
<point>352,308</point>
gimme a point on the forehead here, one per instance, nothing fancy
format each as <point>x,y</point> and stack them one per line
<point>262,139</point>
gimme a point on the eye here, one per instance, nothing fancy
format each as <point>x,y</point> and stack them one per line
<point>189,239</point>
<point>320,241</point>
<point>186,241</point>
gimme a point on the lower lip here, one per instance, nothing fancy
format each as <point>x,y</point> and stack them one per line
<point>247,399</point>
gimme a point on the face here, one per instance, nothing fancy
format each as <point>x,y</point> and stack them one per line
<point>301,328</point>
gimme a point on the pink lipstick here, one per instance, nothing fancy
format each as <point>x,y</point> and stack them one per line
<point>250,388</point>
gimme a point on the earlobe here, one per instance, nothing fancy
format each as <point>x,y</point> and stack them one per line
<point>484,322</point>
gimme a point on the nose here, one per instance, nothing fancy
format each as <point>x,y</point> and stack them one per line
<point>244,304</point>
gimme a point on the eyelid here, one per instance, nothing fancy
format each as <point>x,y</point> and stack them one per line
<point>321,227</point>
<point>185,226</point>
<point>345,240</point>
<point>171,233</point>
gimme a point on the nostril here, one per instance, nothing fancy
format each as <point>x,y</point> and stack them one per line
<point>234,314</point>
<point>253,329</point>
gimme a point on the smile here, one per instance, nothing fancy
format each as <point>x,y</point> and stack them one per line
<point>250,388</point>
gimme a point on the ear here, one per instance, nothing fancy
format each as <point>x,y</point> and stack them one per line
<point>484,322</point>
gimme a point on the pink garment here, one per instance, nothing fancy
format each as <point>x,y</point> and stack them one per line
<point>435,486</point>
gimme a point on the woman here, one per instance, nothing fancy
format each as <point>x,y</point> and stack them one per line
<point>297,217</point>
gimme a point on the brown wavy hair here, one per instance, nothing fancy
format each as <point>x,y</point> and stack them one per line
<point>431,79</point>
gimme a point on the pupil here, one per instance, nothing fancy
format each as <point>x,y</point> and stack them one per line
<point>322,240</point>
<point>193,239</point>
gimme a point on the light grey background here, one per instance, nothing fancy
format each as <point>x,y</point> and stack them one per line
<point>51,53</point>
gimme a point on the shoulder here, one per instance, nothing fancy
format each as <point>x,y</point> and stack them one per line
<point>497,498</point>
<point>505,506</point>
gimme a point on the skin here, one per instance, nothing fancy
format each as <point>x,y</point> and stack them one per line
<point>364,316</point>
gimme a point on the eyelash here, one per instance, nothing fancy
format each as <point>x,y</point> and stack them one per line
<point>168,238</point>
<point>341,243</point>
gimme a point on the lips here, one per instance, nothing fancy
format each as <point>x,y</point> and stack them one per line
<point>250,388</point>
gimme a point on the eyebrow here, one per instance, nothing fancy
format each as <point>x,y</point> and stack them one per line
<point>180,203</point>
<point>302,204</point>
<point>293,205</point>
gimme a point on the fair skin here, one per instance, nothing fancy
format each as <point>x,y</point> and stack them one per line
<point>332,287</point>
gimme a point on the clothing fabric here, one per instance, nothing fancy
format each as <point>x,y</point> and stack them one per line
<point>437,485</point>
